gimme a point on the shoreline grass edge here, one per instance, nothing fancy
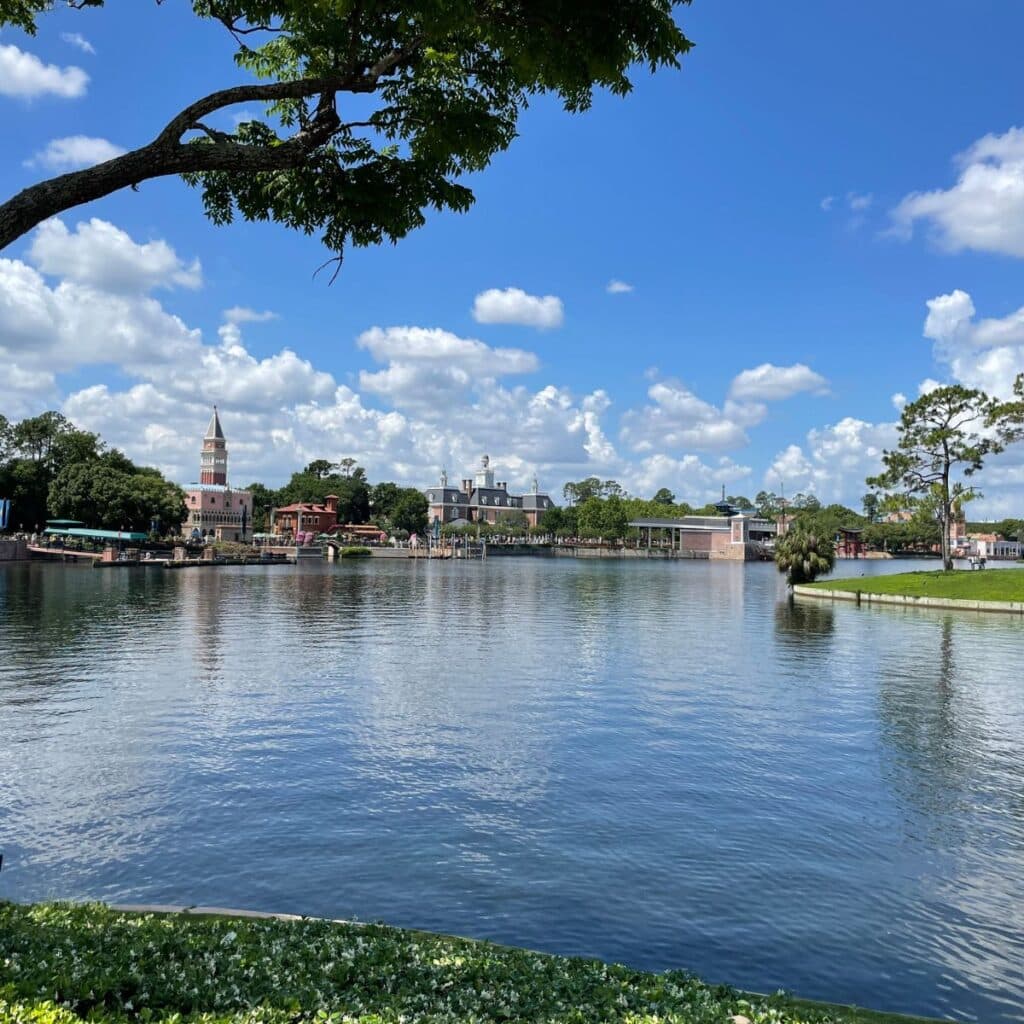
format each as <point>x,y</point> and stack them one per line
<point>1000,590</point>
<point>64,963</point>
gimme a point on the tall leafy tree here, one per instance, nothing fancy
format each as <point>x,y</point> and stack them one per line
<point>768,504</point>
<point>1008,417</point>
<point>104,494</point>
<point>941,438</point>
<point>314,484</point>
<point>664,497</point>
<point>605,518</point>
<point>34,451</point>
<point>263,500</point>
<point>5,437</point>
<point>410,511</point>
<point>552,519</point>
<point>805,501</point>
<point>319,468</point>
<point>373,112</point>
<point>577,492</point>
<point>383,498</point>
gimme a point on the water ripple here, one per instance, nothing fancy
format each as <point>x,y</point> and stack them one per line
<point>667,765</point>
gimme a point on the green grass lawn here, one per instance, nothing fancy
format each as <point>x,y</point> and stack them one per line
<point>969,585</point>
<point>64,964</point>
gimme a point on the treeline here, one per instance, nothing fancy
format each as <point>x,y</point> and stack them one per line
<point>49,469</point>
<point>919,532</point>
<point>1009,529</point>
<point>395,509</point>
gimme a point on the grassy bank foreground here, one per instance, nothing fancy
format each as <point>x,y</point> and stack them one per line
<point>964,584</point>
<point>61,964</point>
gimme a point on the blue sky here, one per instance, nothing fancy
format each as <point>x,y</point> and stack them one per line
<point>795,196</point>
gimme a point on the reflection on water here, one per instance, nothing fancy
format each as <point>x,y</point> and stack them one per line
<point>665,764</point>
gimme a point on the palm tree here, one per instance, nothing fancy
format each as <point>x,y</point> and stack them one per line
<point>804,556</point>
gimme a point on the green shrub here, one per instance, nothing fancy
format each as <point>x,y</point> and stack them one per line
<point>355,552</point>
<point>65,964</point>
<point>232,549</point>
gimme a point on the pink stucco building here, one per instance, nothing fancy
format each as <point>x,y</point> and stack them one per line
<point>216,509</point>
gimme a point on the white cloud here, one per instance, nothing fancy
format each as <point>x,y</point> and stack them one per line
<point>859,203</point>
<point>983,353</point>
<point>99,254</point>
<point>688,477</point>
<point>435,399</point>
<point>514,306</point>
<point>24,74</point>
<point>837,460</point>
<point>984,210</point>
<point>428,367</point>
<point>74,151</point>
<point>77,39</point>
<point>437,345</point>
<point>281,411</point>
<point>770,383</point>
<point>616,287</point>
<point>245,315</point>
<point>746,414</point>
<point>826,203</point>
<point>72,325</point>
<point>987,353</point>
<point>679,420</point>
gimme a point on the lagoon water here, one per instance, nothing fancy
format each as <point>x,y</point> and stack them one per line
<point>664,764</point>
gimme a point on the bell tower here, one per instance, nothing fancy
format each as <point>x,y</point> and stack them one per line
<point>213,463</point>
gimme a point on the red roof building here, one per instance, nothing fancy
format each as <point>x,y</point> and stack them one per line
<point>305,517</point>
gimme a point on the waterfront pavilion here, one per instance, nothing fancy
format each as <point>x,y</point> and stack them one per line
<point>107,536</point>
<point>737,537</point>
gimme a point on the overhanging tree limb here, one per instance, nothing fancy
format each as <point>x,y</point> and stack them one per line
<point>451,78</point>
<point>166,155</point>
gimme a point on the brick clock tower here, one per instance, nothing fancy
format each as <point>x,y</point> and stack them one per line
<point>216,510</point>
<point>213,465</point>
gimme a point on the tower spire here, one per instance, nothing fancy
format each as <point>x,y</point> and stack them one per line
<point>213,462</point>
<point>214,430</point>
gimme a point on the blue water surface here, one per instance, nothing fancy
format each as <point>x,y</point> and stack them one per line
<point>661,763</point>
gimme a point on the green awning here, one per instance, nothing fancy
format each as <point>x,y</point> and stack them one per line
<point>78,531</point>
<point>64,522</point>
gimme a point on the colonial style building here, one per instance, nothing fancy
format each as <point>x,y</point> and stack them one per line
<point>482,499</point>
<point>215,509</point>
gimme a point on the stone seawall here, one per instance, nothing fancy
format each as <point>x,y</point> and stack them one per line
<point>863,597</point>
<point>13,550</point>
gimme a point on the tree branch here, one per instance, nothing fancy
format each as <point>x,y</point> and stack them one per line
<point>167,155</point>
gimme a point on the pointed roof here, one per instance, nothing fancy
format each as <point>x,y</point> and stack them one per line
<point>214,431</point>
